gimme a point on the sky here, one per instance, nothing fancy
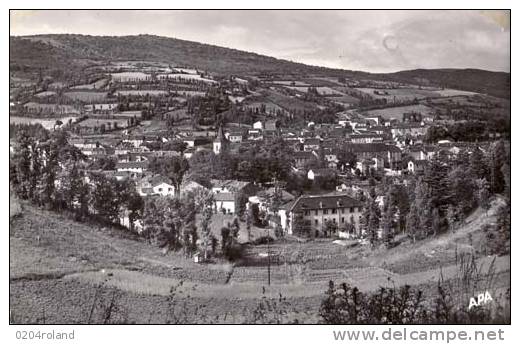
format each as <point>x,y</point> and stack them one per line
<point>366,40</point>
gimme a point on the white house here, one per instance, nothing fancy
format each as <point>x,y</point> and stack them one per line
<point>258,125</point>
<point>156,185</point>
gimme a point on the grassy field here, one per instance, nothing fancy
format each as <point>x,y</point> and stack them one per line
<point>61,269</point>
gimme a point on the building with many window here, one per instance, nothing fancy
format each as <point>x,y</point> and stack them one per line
<point>316,211</point>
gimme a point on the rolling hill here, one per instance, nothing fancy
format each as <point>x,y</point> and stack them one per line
<point>67,52</point>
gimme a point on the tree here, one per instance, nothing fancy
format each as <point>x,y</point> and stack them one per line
<point>451,217</point>
<point>301,226</point>
<point>346,159</point>
<point>484,195</point>
<point>388,225</point>
<point>104,198</point>
<point>249,220</point>
<point>498,157</point>
<point>203,201</point>
<point>173,168</point>
<point>461,189</point>
<point>423,208</point>
<point>412,223</point>
<point>477,164</point>
<point>331,228</point>
<point>436,221</point>
<point>370,220</point>
<point>22,164</point>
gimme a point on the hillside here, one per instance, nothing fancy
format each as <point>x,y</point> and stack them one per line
<point>29,49</point>
<point>61,53</point>
<point>60,268</point>
<point>476,80</point>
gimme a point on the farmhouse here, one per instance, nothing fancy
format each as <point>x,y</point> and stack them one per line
<point>316,211</point>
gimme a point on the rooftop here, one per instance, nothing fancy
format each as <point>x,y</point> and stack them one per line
<point>324,202</point>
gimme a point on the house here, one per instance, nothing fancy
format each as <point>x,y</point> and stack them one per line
<point>301,159</point>
<point>421,152</point>
<point>390,154</point>
<point>365,166</point>
<point>156,185</point>
<point>235,136</point>
<point>331,157</point>
<point>195,141</point>
<point>408,129</point>
<point>138,167</point>
<point>132,157</point>
<point>258,125</point>
<point>227,194</point>
<point>225,202</point>
<point>189,186</point>
<point>262,201</point>
<point>316,211</point>
<point>311,144</point>
<point>417,166</point>
<point>366,138</point>
<point>320,173</point>
<point>271,125</point>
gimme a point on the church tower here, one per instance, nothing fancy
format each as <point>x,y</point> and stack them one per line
<point>220,143</point>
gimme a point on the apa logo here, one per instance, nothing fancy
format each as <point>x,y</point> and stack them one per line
<point>480,299</point>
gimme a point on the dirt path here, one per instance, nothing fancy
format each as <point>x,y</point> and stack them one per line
<point>366,279</point>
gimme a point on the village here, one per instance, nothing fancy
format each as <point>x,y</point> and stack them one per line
<point>282,179</point>
<point>337,162</point>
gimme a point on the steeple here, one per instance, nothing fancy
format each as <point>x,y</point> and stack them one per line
<point>220,142</point>
<point>220,135</point>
